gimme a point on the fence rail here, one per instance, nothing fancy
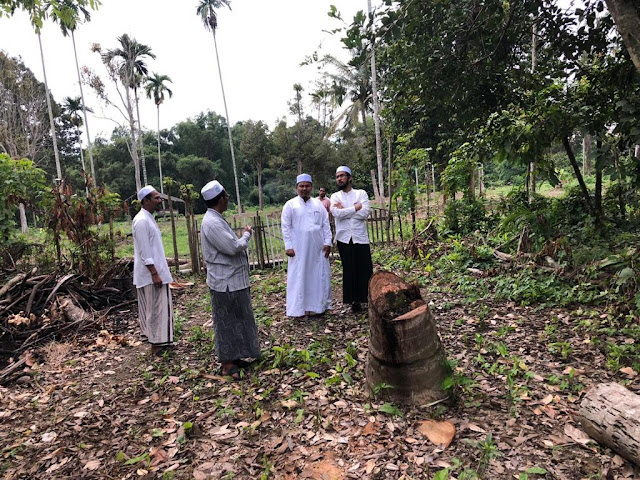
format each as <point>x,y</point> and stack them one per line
<point>266,249</point>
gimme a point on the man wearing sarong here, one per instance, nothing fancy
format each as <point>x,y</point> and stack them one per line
<point>350,209</point>
<point>228,279</point>
<point>151,274</point>
<point>307,240</point>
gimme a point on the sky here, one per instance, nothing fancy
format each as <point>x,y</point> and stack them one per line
<point>261,45</point>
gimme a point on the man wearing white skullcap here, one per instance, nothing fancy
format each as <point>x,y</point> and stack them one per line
<point>151,274</point>
<point>228,279</point>
<point>307,240</point>
<point>350,209</point>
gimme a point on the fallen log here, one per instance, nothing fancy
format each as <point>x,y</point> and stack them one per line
<point>21,277</point>
<point>405,352</point>
<point>610,414</point>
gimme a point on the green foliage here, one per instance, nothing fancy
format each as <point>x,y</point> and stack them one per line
<point>465,216</point>
<point>20,182</point>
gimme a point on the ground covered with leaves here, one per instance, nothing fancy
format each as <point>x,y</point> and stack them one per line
<point>102,407</point>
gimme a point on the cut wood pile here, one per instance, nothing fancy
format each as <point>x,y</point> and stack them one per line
<point>35,309</point>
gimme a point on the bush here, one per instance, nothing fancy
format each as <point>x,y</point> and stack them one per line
<point>465,216</point>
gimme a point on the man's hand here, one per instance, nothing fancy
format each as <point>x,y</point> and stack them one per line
<point>290,252</point>
<point>248,229</point>
<point>327,250</point>
<point>357,206</point>
<point>155,278</point>
<point>338,205</point>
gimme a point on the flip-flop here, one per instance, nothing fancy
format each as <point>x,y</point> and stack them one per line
<point>233,372</point>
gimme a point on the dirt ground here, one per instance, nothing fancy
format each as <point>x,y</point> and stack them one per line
<point>101,407</point>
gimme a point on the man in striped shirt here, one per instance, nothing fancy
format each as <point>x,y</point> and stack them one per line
<point>228,279</point>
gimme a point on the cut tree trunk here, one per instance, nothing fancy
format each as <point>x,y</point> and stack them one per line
<point>610,414</point>
<point>405,352</point>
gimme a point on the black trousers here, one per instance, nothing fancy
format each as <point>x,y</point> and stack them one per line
<point>357,269</point>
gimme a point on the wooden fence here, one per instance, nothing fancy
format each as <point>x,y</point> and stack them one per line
<point>266,249</point>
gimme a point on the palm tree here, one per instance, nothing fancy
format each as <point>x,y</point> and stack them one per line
<point>73,107</point>
<point>156,88</point>
<point>352,83</point>
<point>128,63</point>
<point>72,13</point>
<point>207,12</point>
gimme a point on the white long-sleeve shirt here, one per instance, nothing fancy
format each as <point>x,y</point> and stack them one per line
<point>148,250</point>
<point>351,224</point>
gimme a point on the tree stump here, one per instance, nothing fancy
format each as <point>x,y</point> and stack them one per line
<point>404,347</point>
<point>610,414</point>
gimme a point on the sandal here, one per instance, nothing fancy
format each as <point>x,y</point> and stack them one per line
<point>234,372</point>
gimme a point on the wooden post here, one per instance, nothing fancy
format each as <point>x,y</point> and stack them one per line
<point>404,347</point>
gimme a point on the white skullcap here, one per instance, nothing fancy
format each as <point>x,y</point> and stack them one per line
<point>144,191</point>
<point>344,169</point>
<point>211,190</point>
<point>303,177</point>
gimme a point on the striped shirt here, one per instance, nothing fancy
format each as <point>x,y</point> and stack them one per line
<point>225,254</point>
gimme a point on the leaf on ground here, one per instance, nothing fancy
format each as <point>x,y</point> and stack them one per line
<point>576,434</point>
<point>438,433</point>
<point>92,465</point>
<point>371,428</point>
<point>628,371</point>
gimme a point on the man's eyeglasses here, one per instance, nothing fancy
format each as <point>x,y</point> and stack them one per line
<point>341,175</point>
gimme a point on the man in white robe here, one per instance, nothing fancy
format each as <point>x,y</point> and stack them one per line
<point>307,240</point>
<point>151,274</point>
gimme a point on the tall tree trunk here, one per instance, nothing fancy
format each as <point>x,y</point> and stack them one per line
<point>260,188</point>
<point>598,189</point>
<point>140,139</point>
<point>84,170</point>
<point>586,151</point>
<point>627,18</point>
<point>576,170</point>
<point>24,226</point>
<point>134,142</point>
<point>534,63</point>
<point>84,113</point>
<point>376,106</point>
<point>226,113</point>
<point>51,120</point>
<point>159,157</point>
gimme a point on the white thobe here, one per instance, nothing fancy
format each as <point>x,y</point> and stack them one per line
<point>305,229</point>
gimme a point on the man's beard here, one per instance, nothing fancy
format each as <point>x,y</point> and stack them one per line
<point>343,186</point>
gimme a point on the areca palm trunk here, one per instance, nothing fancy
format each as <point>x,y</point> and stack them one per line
<point>84,113</point>
<point>51,122</point>
<point>159,157</point>
<point>226,113</point>
<point>376,109</point>
<point>140,141</point>
<point>134,142</point>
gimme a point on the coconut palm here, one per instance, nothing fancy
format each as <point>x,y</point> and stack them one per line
<point>73,13</point>
<point>128,62</point>
<point>207,12</point>
<point>350,83</point>
<point>155,88</point>
<point>72,107</point>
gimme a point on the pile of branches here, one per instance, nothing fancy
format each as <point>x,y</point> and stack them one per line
<point>35,309</point>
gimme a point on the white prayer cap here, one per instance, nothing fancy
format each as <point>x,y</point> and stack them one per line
<point>303,177</point>
<point>211,190</point>
<point>144,191</point>
<point>344,169</point>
